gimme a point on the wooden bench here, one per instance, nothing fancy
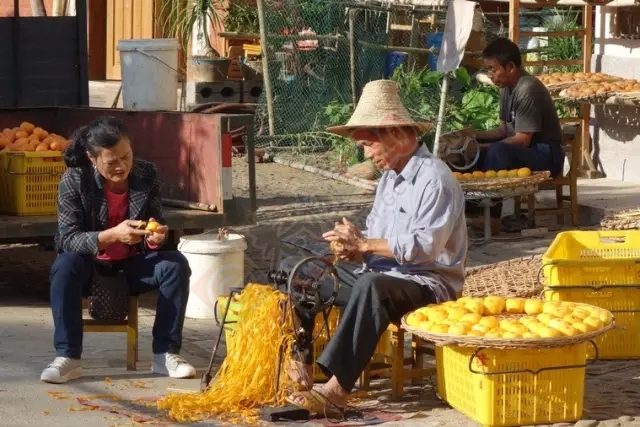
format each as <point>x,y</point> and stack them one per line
<point>128,326</point>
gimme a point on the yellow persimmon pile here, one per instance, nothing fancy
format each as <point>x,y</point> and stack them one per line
<point>513,318</point>
<point>513,173</point>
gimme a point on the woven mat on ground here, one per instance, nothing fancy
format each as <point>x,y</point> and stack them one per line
<point>516,277</point>
<point>628,219</point>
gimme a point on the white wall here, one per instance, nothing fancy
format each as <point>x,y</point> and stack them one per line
<point>616,130</point>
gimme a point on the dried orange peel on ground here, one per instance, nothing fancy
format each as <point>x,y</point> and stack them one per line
<point>246,380</point>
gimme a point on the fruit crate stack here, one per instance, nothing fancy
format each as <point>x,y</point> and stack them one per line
<point>600,268</point>
<point>31,165</point>
<point>511,361</point>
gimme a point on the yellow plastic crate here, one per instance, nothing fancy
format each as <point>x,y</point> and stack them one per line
<point>30,182</point>
<point>600,268</point>
<point>513,387</point>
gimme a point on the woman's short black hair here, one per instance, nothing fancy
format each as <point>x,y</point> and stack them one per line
<point>504,51</point>
<point>102,132</point>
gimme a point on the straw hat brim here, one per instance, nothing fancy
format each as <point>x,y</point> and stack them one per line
<point>347,131</point>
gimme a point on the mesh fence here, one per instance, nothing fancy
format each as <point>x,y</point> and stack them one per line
<point>313,73</point>
<point>312,78</point>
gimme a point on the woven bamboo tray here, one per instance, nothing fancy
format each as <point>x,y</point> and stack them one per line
<point>511,343</point>
<point>556,88</point>
<point>630,99</point>
<point>514,278</point>
<point>592,99</point>
<point>628,219</point>
<point>489,184</point>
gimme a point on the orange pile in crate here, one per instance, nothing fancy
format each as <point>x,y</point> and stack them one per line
<point>28,137</point>
<point>31,165</point>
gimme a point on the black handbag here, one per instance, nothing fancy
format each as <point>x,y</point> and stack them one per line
<point>109,298</point>
<point>109,291</point>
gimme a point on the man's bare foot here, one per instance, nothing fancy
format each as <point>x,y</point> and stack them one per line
<point>301,374</point>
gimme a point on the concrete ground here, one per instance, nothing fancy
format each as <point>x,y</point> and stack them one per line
<point>109,395</point>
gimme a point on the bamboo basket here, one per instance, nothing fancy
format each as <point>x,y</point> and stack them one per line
<point>514,278</point>
<point>493,184</point>
<point>505,343</point>
<point>628,219</point>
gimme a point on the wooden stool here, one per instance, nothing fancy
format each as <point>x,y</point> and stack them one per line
<point>393,364</point>
<point>129,325</point>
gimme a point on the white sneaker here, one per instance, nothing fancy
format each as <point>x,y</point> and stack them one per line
<point>172,365</point>
<point>61,370</point>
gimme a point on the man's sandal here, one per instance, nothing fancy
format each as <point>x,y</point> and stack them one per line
<point>316,403</point>
<point>298,374</point>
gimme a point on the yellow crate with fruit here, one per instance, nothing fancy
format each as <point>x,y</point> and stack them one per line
<point>31,165</point>
<point>235,306</point>
<point>513,361</point>
<point>600,268</point>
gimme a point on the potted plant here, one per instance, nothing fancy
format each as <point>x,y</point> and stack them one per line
<point>190,21</point>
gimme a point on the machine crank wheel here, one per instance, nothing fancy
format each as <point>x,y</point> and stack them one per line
<point>304,285</point>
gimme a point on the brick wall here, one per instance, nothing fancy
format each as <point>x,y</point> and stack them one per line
<point>6,7</point>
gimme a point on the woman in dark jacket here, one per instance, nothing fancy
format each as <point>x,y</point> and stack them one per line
<point>103,196</point>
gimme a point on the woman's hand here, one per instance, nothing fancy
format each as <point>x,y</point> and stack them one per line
<point>128,232</point>
<point>349,239</point>
<point>158,234</point>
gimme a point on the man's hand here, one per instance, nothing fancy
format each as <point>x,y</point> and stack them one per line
<point>350,239</point>
<point>158,235</point>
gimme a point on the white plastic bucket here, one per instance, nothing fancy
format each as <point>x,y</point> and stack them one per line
<point>149,74</point>
<point>216,267</point>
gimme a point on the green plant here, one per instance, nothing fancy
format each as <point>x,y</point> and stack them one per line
<point>181,17</point>
<point>242,17</point>
<point>564,48</point>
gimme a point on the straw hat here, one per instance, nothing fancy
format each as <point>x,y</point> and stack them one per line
<point>380,107</point>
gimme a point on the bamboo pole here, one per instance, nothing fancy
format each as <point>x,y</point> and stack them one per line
<point>265,67</point>
<point>352,56</point>
<point>514,21</point>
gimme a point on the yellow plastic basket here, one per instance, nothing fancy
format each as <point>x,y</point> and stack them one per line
<point>600,268</point>
<point>30,182</point>
<point>513,387</point>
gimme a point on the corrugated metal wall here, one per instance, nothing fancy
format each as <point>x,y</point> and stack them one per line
<point>43,61</point>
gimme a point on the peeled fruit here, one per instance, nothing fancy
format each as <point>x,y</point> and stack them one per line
<point>545,318</point>
<point>475,306</point>
<point>458,175</point>
<point>512,173</point>
<point>491,174</point>
<point>472,318</point>
<point>502,173</point>
<point>605,316</point>
<point>490,322</point>
<point>514,305</point>
<point>414,319</point>
<point>458,329</point>
<point>481,328</point>
<point>478,174</point>
<point>580,313</point>
<point>494,333</point>
<point>152,226</point>
<point>594,322</point>
<point>493,305</point>
<point>467,175</point>
<point>532,306</point>
<point>475,333</point>
<point>547,332</point>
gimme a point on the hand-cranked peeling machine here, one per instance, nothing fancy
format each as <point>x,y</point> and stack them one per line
<point>306,294</point>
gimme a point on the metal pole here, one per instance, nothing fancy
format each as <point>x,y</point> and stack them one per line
<point>265,67</point>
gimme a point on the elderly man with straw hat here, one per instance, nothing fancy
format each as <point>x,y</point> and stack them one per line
<point>411,254</point>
